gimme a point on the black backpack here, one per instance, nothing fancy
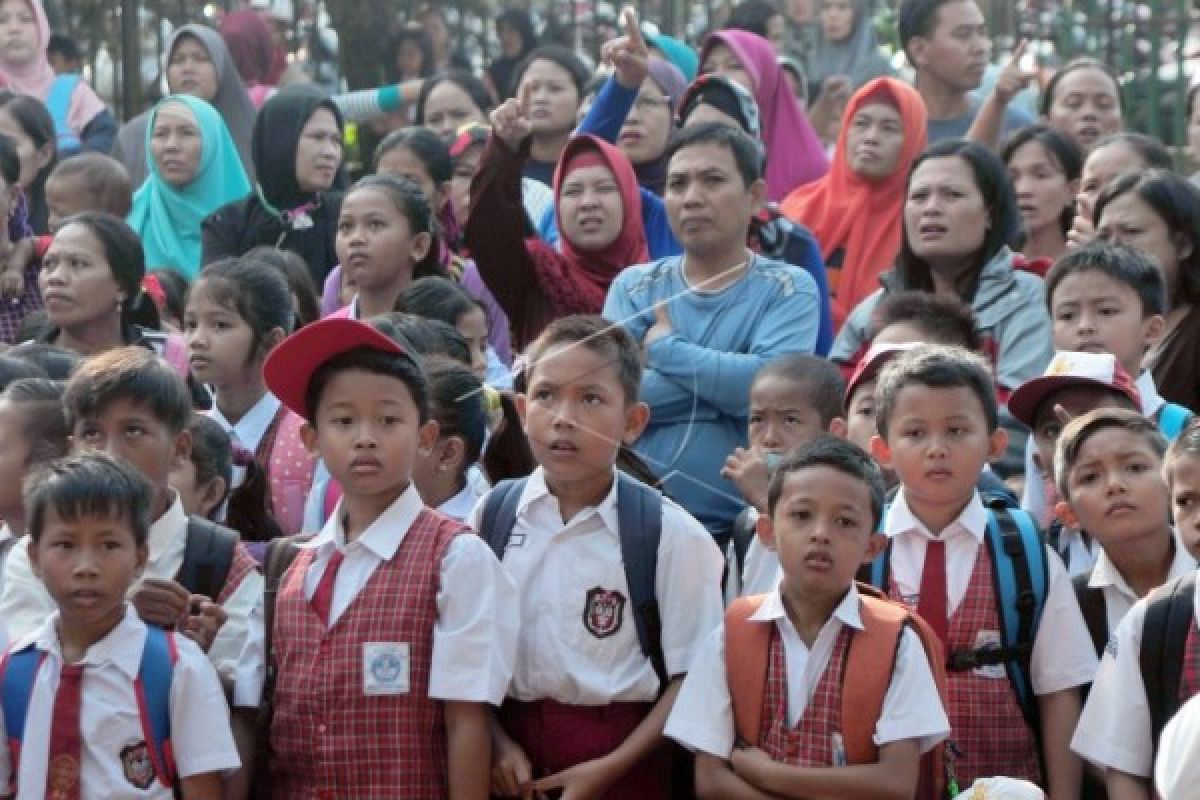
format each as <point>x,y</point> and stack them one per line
<point>207,557</point>
<point>1168,620</point>
<point>1095,610</point>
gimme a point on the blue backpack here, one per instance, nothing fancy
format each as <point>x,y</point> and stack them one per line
<point>1022,577</point>
<point>1172,419</point>
<point>58,103</point>
<point>152,686</point>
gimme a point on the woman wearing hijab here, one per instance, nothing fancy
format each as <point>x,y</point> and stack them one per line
<point>199,64</point>
<point>795,155</point>
<point>514,27</point>
<point>856,211</point>
<point>81,121</point>
<point>252,48</point>
<point>297,151</point>
<point>676,51</point>
<point>193,169</point>
<point>846,44</point>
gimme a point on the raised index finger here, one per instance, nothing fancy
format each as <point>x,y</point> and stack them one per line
<point>632,29</point>
<point>524,95</point>
<point>1019,51</point>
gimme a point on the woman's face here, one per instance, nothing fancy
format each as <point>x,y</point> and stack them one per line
<point>874,141</point>
<point>465,168</point>
<point>590,208</point>
<point>1102,165</point>
<point>721,60</point>
<point>945,216</point>
<point>644,135</point>
<point>1041,187</point>
<point>400,162</point>
<point>18,32</point>
<point>191,70</point>
<point>552,96</point>
<point>33,159</point>
<point>1086,106</point>
<point>176,144</point>
<point>511,42</point>
<point>319,152</point>
<point>1130,220</point>
<point>837,19</point>
<point>448,107</point>
<point>76,281</point>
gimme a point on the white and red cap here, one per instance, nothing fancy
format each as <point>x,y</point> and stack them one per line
<point>1067,369</point>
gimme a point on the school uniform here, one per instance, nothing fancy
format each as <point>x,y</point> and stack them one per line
<point>1118,596</point>
<point>988,727</point>
<point>25,603</point>
<point>1115,729</point>
<point>460,505</point>
<point>8,540</point>
<point>419,612</point>
<point>760,571</point>
<point>581,682</point>
<point>113,759</point>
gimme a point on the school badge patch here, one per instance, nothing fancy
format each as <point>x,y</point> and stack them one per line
<point>603,612</point>
<point>62,776</point>
<point>136,763</point>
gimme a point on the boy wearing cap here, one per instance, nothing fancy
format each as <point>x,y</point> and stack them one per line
<point>394,627</point>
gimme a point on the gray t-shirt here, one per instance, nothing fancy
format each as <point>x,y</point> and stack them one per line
<point>956,128</point>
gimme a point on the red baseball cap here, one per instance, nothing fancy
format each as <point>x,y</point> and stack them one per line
<point>290,366</point>
<point>468,136</point>
<point>873,361</point>
<point>1067,369</point>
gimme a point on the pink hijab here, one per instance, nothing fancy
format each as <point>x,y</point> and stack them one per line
<point>36,77</point>
<point>795,155</point>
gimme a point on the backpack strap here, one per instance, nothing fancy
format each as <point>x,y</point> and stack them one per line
<point>639,517</point>
<point>747,651</point>
<point>17,673</point>
<point>1165,629</point>
<point>868,673</point>
<point>153,689</point>
<point>1172,419</point>
<point>207,557</point>
<point>1095,610</point>
<point>743,534</point>
<point>58,103</point>
<point>500,514</point>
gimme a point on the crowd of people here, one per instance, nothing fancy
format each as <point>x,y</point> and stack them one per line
<point>751,420</point>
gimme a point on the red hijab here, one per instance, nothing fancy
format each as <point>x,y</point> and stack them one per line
<point>593,271</point>
<point>866,219</point>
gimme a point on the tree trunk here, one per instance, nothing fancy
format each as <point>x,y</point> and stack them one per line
<point>364,27</point>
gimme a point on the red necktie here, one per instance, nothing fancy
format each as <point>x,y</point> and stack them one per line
<point>932,602</point>
<point>322,598</point>
<point>62,773</point>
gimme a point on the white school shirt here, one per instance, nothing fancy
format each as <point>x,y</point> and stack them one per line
<point>1152,401</point>
<point>1063,654</point>
<point>1114,728</point>
<point>7,542</point>
<point>1118,596</point>
<point>249,431</point>
<point>760,568</point>
<point>201,739</point>
<point>702,718</point>
<point>475,636</point>
<point>578,640</point>
<point>459,507</point>
<point>25,603</point>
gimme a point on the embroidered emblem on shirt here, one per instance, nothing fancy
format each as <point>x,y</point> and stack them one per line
<point>62,776</point>
<point>603,611</point>
<point>136,763</point>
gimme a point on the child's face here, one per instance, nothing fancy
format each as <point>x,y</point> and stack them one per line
<point>474,328</point>
<point>780,419</point>
<point>14,458</point>
<point>860,415</point>
<point>88,564</point>
<point>938,443</point>
<point>198,498</point>
<point>1093,313</point>
<point>1183,475</point>
<point>67,195</point>
<point>220,342</point>
<point>375,243</point>
<point>368,430</point>
<point>822,530</point>
<point>1076,401</point>
<point>129,430</point>
<point>32,157</point>
<point>576,416</point>
<point>18,32</point>
<point>1116,487</point>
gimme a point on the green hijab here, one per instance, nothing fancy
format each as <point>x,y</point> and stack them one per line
<point>168,218</point>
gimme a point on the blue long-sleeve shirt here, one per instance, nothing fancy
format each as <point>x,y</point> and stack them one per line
<point>697,378</point>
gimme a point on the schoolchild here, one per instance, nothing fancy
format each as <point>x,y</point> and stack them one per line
<point>203,480</point>
<point>778,702</point>
<point>1015,666</point>
<point>97,703</point>
<point>618,584</point>
<point>394,627</point>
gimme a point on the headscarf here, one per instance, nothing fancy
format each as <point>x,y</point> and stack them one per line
<point>845,211</point>
<point>276,136</point>
<point>652,174</point>
<point>727,96</point>
<point>250,45</point>
<point>37,77</point>
<point>857,57</point>
<point>168,218</point>
<point>678,52</point>
<point>593,272</point>
<point>795,155</point>
<point>502,67</point>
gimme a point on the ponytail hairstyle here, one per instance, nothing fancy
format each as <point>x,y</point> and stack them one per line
<point>458,403</point>
<point>410,201</point>
<point>212,454</point>
<point>254,290</point>
<point>507,454</point>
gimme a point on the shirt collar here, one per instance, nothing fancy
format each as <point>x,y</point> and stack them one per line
<point>1152,401</point>
<point>537,491</point>
<point>167,529</point>
<point>847,611</point>
<point>122,646</point>
<point>253,425</point>
<point>900,519</point>
<point>6,534</point>
<point>1105,572</point>
<point>382,537</point>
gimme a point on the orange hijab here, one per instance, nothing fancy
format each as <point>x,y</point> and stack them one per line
<point>866,219</point>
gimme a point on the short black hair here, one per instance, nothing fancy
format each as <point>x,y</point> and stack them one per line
<point>753,16</point>
<point>1119,262</point>
<point>40,401</point>
<point>14,369</point>
<point>1046,101</point>
<point>438,298</point>
<point>404,369</point>
<point>212,451</point>
<point>606,339</point>
<point>1061,148</point>
<point>747,153</point>
<point>58,363</point>
<point>1079,430</point>
<point>64,46</point>
<point>835,453</point>
<point>423,336</point>
<point>10,162</point>
<point>942,319</point>
<point>104,179</point>
<point>88,485</point>
<point>819,382</point>
<point>130,373</point>
<point>917,18</point>
<point>556,54</point>
<point>471,86</point>
<point>935,367</point>
<point>1186,445</point>
<point>431,149</point>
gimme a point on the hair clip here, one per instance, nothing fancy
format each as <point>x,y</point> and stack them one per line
<point>153,287</point>
<point>241,456</point>
<point>491,398</point>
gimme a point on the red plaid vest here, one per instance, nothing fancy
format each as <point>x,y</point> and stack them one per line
<point>242,565</point>
<point>985,718</point>
<point>330,740</point>
<point>1189,680</point>
<point>810,743</point>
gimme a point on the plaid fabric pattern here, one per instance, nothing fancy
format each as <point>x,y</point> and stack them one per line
<point>1189,681</point>
<point>330,740</point>
<point>290,471</point>
<point>810,743</point>
<point>243,564</point>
